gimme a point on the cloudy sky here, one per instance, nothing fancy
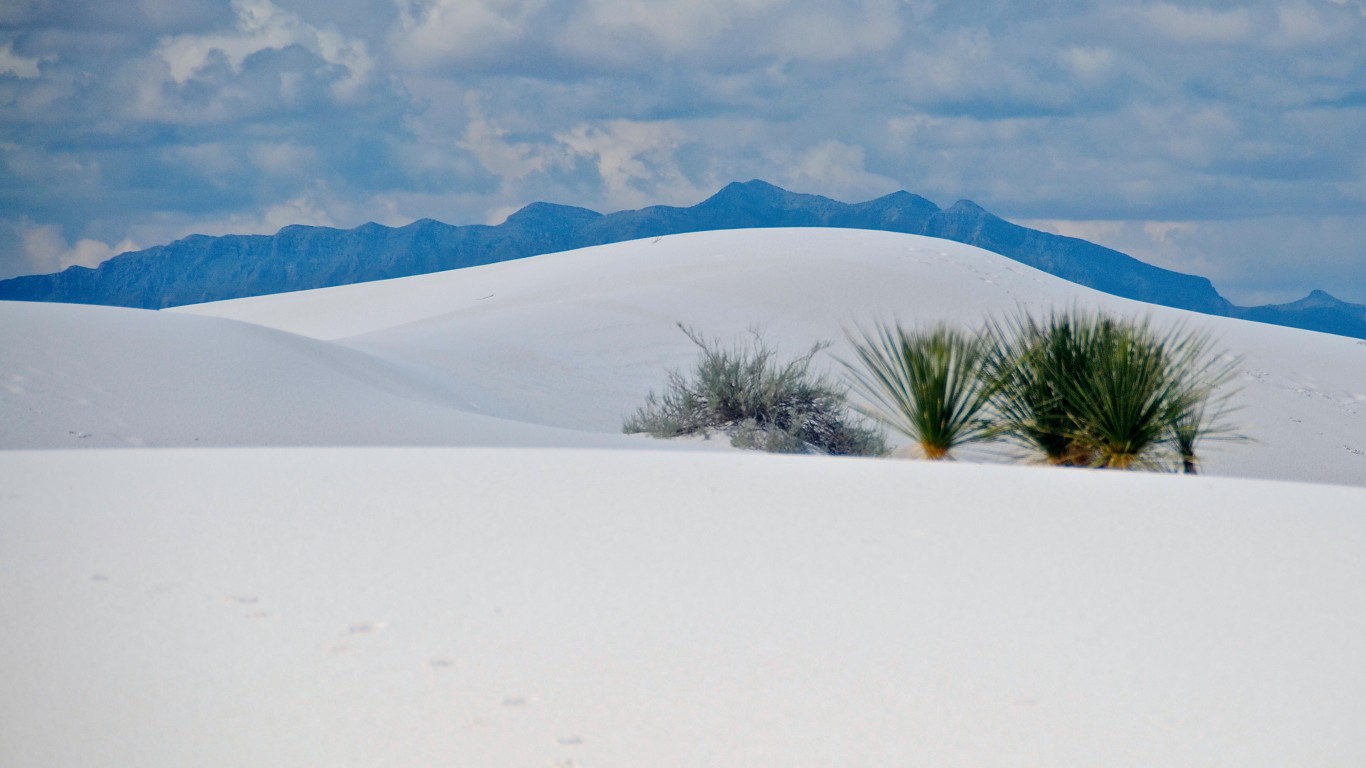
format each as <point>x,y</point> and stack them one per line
<point>1226,139</point>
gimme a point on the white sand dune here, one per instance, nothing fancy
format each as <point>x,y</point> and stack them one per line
<point>81,376</point>
<point>576,339</point>
<point>468,597</point>
<point>494,608</point>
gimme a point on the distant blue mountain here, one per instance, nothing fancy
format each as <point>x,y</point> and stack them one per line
<point>1316,312</point>
<point>199,268</point>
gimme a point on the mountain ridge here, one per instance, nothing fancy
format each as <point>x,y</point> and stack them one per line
<point>200,268</point>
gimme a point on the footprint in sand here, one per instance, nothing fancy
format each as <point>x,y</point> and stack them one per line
<point>246,600</point>
<point>355,631</point>
<point>365,627</point>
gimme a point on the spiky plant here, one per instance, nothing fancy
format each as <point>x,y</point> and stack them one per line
<point>1187,431</point>
<point>1146,392</point>
<point>1028,363</point>
<point>927,385</point>
<point>1206,418</point>
<point>1131,397</point>
<point>1094,390</point>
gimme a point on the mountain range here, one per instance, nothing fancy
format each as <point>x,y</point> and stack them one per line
<point>200,268</point>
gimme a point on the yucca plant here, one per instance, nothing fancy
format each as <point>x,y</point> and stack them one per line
<point>1135,390</point>
<point>927,385</point>
<point>1094,390</point>
<point>1143,393</point>
<point>1187,430</point>
<point>1028,363</point>
<point>1205,419</point>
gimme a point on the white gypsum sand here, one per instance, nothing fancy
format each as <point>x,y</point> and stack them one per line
<point>576,339</point>
<point>507,602</point>
<point>512,607</point>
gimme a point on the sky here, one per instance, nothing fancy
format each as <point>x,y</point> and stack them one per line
<point>1225,139</point>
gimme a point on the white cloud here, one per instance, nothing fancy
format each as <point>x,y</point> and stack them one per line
<point>1360,5</point>
<point>729,30</point>
<point>42,248</point>
<point>1191,134</point>
<point>492,145</point>
<point>209,160</point>
<point>979,72</point>
<point>312,208</point>
<point>434,32</point>
<point>1302,24</point>
<point>303,209</point>
<point>261,26</point>
<point>282,158</point>
<point>825,32</point>
<point>1090,65</point>
<point>1196,26</point>
<point>634,159</point>
<point>12,63</point>
<point>835,169</point>
<point>1163,231</point>
<point>669,27</point>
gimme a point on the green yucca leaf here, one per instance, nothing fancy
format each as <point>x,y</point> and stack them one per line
<point>928,384</point>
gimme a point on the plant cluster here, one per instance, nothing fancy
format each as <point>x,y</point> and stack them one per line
<point>1073,389</point>
<point>746,392</point>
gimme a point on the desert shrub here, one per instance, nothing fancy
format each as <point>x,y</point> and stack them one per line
<point>928,385</point>
<point>1029,364</point>
<point>1136,390</point>
<point>761,402</point>
<point>1095,390</point>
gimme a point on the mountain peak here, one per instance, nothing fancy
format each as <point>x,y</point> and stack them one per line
<point>1318,299</point>
<point>966,206</point>
<point>902,195</point>
<point>752,190</point>
<point>540,213</point>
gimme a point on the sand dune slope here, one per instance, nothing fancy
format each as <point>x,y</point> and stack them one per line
<point>75,376</point>
<point>529,608</point>
<point>456,601</point>
<point>576,339</point>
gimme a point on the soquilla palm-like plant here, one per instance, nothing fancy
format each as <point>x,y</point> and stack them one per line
<point>1188,430</point>
<point>1095,390</point>
<point>1144,393</point>
<point>1136,388</point>
<point>1028,363</point>
<point>927,385</point>
<point>1206,417</point>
